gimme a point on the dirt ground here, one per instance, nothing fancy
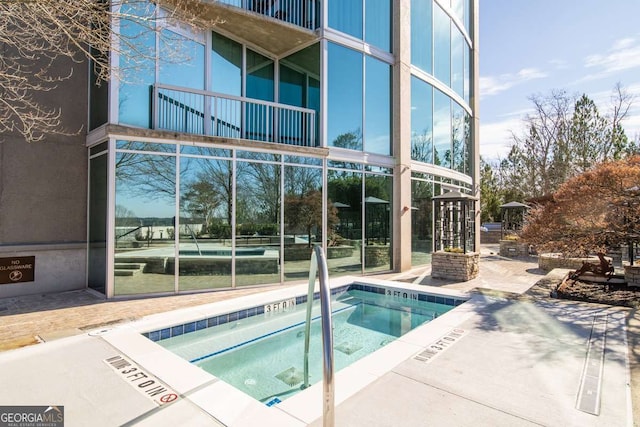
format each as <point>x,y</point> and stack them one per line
<point>603,293</point>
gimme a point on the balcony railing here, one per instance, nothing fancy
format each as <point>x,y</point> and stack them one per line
<point>214,114</point>
<point>302,13</point>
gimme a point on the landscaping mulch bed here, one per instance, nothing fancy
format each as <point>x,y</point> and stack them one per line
<point>602,293</point>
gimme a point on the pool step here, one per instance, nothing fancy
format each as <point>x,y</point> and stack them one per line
<point>127,268</point>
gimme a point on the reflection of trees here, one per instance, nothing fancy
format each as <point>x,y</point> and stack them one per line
<point>201,199</point>
<point>351,141</point>
<point>259,193</point>
<point>305,212</point>
<point>422,192</point>
<point>458,156</point>
<point>422,146</point>
<point>150,175</point>
<point>126,217</point>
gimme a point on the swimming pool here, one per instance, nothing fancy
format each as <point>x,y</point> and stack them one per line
<point>259,350</point>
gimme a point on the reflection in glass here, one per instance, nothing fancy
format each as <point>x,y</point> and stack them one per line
<point>441,45</point>
<point>441,129</point>
<point>378,209</point>
<point>137,65</point>
<point>346,16</point>
<point>458,45</point>
<point>302,218</point>
<point>226,78</point>
<point>144,211</point>
<point>421,38</point>
<point>378,23</point>
<point>421,121</point>
<point>97,224</point>
<point>257,237</point>
<point>345,237</point>
<point>205,224</point>
<point>260,85</point>
<point>421,222</point>
<point>458,139</point>
<point>345,98</point>
<point>378,107</point>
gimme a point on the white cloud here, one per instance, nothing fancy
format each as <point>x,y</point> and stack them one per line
<point>493,85</point>
<point>559,64</point>
<point>495,138</point>
<point>623,55</point>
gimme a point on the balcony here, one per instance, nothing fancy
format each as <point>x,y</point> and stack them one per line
<point>277,26</point>
<point>213,114</point>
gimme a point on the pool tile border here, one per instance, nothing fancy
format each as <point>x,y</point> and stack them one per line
<point>177,330</point>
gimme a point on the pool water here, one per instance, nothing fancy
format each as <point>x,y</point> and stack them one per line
<point>263,355</point>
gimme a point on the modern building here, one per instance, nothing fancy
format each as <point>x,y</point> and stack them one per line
<point>217,157</point>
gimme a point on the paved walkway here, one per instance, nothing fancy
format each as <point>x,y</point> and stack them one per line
<point>520,363</point>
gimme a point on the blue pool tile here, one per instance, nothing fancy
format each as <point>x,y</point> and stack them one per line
<point>145,334</point>
<point>189,327</point>
<point>459,301</point>
<point>154,335</point>
<point>252,311</point>
<point>449,301</point>
<point>439,300</point>
<point>165,333</point>
<point>422,297</point>
<point>260,310</point>
<point>212,321</point>
<point>242,314</point>
<point>222,319</point>
<point>431,298</point>
<point>177,330</point>
<point>201,324</point>
<point>379,290</point>
<point>233,316</point>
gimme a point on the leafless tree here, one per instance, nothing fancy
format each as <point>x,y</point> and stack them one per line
<point>37,36</point>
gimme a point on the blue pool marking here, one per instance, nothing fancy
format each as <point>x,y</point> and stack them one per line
<point>177,330</point>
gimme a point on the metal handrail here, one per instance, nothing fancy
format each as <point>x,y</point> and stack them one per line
<point>318,260</point>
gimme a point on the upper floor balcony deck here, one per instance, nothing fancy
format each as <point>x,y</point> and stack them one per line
<point>277,26</point>
<point>213,114</point>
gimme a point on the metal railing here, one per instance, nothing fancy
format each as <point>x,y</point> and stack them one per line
<point>303,13</point>
<point>318,260</point>
<point>215,114</point>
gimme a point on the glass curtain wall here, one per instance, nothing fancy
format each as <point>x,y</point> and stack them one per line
<point>422,191</point>
<point>378,222</point>
<point>98,188</point>
<point>368,20</point>
<point>258,207</point>
<point>206,195</point>
<point>302,215</point>
<point>145,182</point>
<point>421,121</point>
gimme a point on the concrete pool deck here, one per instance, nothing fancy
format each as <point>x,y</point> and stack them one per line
<point>518,360</point>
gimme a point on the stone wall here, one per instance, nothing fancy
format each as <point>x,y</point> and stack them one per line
<point>513,248</point>
<point>548,262</point>
<point>448,265</point>
<point>632,275</point>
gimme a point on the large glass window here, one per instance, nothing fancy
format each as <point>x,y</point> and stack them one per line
<point>378,23</point>
<point>378,107</point>
<point>137,65</point>
<point>378,222</point>
<point>260,85</point>
<point>421,220</point>
<point>458,45</point>
<point>205,222</point>
<point>345,98</point>
<point>441,129</point>
<point>346,16</point>
<point>226,65</point>
<point>467,72</point>
<point>442,45</point>
<point>98,223</point>
<point>421,121</point>
<point>421,34</point>
<point>458,138</point>
<point>144,221</point>
<point>345,236</point>
<point>302,218</point>
<point>258,204</point>
<point>184,68</point>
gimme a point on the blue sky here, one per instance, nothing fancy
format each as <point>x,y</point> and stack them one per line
<point>532,47</point>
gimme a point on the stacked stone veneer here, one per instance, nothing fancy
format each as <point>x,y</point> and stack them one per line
<point>632,275</point>
<point>448,265</point>
<point>548,262</point>
<point>513,248</point>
